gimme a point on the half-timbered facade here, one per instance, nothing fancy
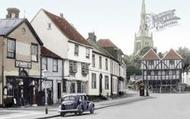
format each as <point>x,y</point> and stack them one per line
<point>162,75</point>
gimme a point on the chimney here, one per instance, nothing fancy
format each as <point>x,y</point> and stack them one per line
<point>12,13</point>
<point>92,36</point>
<point>61,15</point>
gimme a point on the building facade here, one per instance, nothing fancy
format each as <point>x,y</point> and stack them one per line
<point>70,45</point>
<point>19,61</point>
<point>143,38</point>
<point>162,74</point>
<point>52,66</point>
<point>100,70</point>
<point>118,67</point>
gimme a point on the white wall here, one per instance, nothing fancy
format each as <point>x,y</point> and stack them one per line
<point>99,71</point>
<point>53,39</point>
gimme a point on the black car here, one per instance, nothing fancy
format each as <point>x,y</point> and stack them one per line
<point>76,103</point>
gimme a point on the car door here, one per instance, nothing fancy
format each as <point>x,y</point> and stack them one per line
<point>85,102</point>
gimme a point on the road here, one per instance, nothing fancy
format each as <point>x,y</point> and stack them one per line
<point>162,106</point>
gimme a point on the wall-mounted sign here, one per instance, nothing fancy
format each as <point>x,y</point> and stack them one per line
<point>161,20</point>
<point>23,64</point>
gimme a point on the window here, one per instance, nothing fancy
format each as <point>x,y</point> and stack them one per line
<point>84,69</point>
<point>93,60</point>
<point>156,73</point>
<point>72,67</point>
<point>149,73</point>
<point>55,65</point>
<point>93,80</point>
<point>87,53</point>
<point>171,62</point>
<point>100,62</point>
<point>49,26</point>
<point>76,50</point>
<point>151,62</point>
<point>34,52</point>
<point>44,63</point>
<point>174,72</point>
<point>106,63</point>
<point>11,48</point>
<point>106,82</point>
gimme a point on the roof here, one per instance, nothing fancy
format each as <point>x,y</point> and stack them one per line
<point>9,25</point>
<point>100,49</point>
<point>48,53</point>
<point>106,43</point>
<point>172,55</point>
<point>67,29</point>
<point>150,55</point>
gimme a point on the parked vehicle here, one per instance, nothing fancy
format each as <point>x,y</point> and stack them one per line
<point>76,103</point>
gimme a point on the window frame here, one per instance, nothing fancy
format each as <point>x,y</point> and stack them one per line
<point>93,60</point>
<point>14,52</point>
<point>106,82</point>
<point>76,50</point>
<point>53,65</point>
<point>46,65</point>
<point>94,81</point>
<point>87,53</point>
<point>100,62</point>
<point>37,55</point>
<point>106,64</point>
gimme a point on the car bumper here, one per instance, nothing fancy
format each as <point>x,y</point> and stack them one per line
<point>70,110</point>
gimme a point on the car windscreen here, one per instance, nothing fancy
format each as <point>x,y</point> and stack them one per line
<point>69,98</point>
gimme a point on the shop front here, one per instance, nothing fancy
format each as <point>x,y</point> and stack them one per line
<point>21,90</point>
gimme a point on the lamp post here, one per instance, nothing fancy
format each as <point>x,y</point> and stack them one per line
<point>44,76</point>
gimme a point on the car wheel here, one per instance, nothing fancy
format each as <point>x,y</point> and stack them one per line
<point>62,114</point>
<point>92,110</point>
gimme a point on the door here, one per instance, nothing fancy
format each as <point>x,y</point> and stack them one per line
<point>100,84</point>
<point>58,90</point>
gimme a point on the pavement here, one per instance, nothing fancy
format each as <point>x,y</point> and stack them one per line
<point>38,112</point>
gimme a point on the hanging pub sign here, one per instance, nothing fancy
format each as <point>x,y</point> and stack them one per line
<point>23,64</point>
<point>161,20</point>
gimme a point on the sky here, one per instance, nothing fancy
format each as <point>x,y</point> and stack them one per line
<point>117,20</point>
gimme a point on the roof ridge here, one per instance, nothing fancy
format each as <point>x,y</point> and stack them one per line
<point>151,50</point>
<point>66,28</point>
<point>168,55</point>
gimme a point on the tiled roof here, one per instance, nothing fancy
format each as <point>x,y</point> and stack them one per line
<point>106,43</point>
<point>7,25</point>
<point>100,49</point>
<point>67,29</point>
<point>172,55</point>
<point>47,53</point>
<point>150,55</point>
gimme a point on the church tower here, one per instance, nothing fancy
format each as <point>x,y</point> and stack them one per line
<point>143,38</point>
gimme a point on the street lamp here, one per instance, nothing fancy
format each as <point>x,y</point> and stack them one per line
<point>44,76</point>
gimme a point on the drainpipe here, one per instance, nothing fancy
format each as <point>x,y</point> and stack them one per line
<point>3,72</point>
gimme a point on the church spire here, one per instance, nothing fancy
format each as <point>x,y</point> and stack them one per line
<point>143,28</point>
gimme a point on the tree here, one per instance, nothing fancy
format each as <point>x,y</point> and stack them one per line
<point>185,53</point>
